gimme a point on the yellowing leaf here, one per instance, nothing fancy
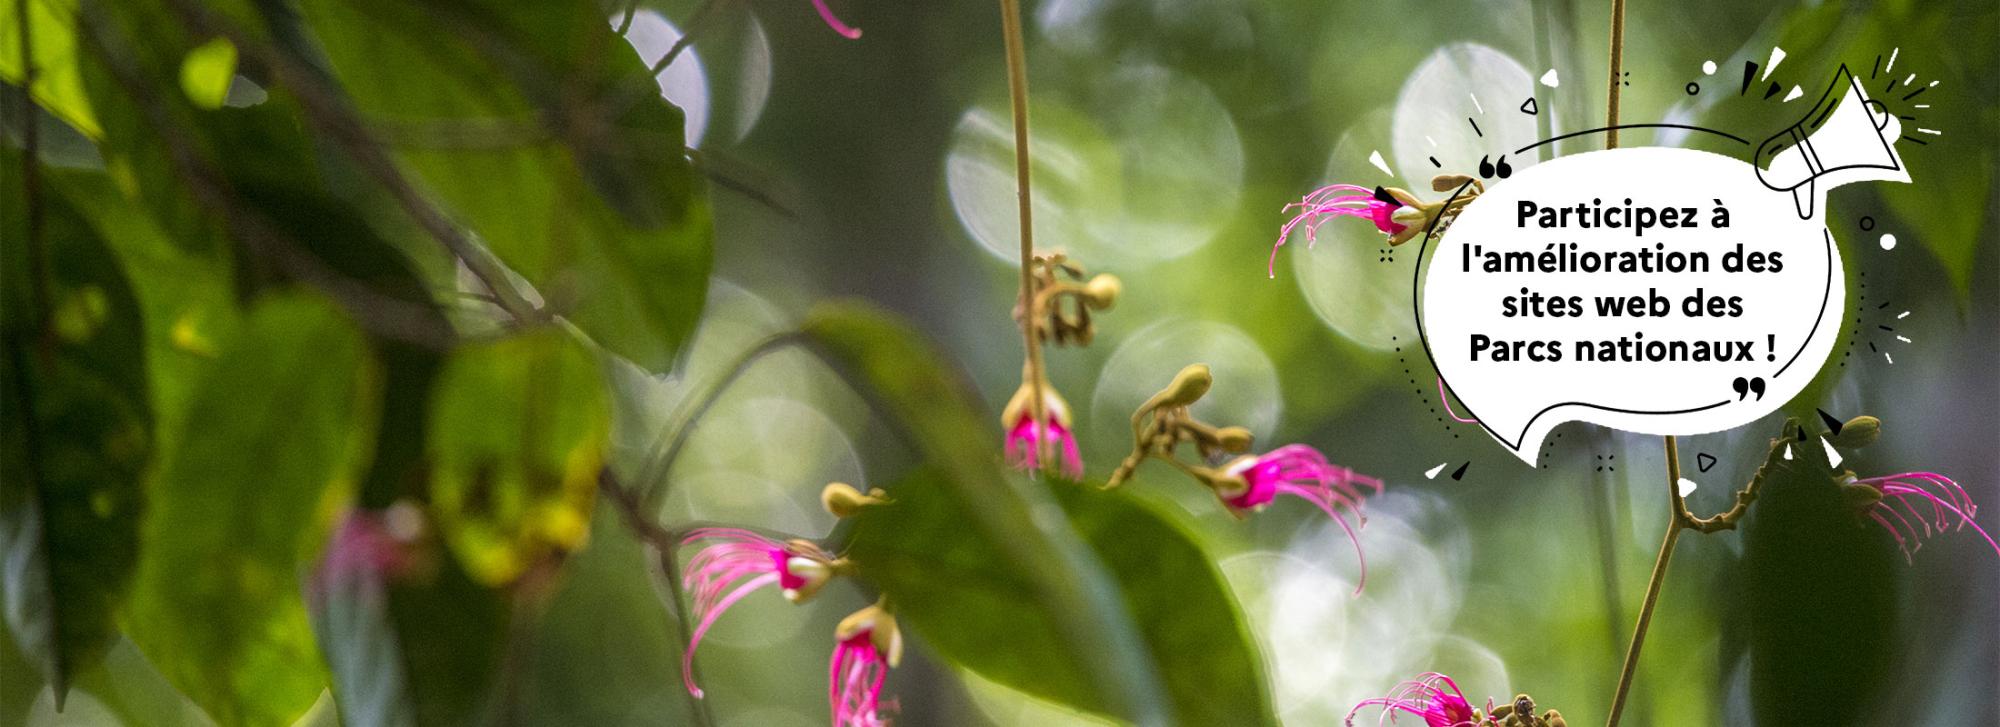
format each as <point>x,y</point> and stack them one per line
<point>517,436</point>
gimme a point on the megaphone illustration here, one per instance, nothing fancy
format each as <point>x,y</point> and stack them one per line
<point>1846,137</point>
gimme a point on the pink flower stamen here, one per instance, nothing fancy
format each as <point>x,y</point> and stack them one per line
<point>854,681</point>
<point>826,14</point>
<point>1433,697</point>
<point>1327,203</point>
<point>1021,449</point>
<point>1302,472</point>
<point>738,563</point>
<point>1950,508</point>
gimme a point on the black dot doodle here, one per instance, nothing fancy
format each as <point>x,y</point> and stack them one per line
<point>1693,88</point>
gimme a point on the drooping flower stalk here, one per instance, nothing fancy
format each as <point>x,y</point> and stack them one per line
<point>737,563</point>
<point>1930,503</point>
<point>1035,377</point>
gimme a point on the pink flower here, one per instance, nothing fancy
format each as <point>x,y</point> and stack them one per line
<point>369,548</point>
<point>1022,449</point>
<point>738,563</point>
<point>1251,482</point>
<point>1425,697</point>
<point>867,645</point>
<point>1930,503</point>
<point>1339,200</point>
<point>826,14</point>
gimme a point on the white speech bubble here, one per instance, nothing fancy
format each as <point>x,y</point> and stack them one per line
<point>1675,373</point>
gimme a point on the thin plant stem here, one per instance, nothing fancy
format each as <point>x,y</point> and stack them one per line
<point>666,546</point>
<point>656,470</point>
<point>1617,71</point>
<point>1674,525</point>
<point>1017,94</point>
<point>1674,506</point>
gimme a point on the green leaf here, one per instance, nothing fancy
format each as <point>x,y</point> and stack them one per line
<point>185,300</point>
<point>961,594</point>
<point>58,81</point>
<point>207,71</point>
<point>274,435</point>
<point>584,670</point>
<point>78,436</point>
<point>556,149</point>
<point>1014,519</point>
<point>1821,587</point>
<point>517,437</point>
<point>138,162</point>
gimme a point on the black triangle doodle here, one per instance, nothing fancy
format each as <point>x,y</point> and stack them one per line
<point>1459,474</point>
<point>1528,107</point>
<point>1704,460</point>
<point>1833,425</point>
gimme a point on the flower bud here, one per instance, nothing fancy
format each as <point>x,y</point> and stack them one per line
<point>1103,290</point>
<point>1234,440</point>
<point>880,625</point>
<point>1187,388</point>
<point>1448,182</point>
<point>842,500</point>
<point>1858,432</point>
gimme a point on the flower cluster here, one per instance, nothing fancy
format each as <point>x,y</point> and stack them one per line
<point>734,563</point>
<point>1057,310</point>
<point>1245,483</point>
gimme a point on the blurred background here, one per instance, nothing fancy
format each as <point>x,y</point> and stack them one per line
<point>1167,135</point>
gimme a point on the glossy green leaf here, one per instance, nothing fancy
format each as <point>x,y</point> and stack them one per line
<point>517,436</point>
<point>79,434</point>
<point>602,213</point>
<point>272,438</point>
<point>1067,583</point>
<point>1821,588</point>
<point>58,79</point>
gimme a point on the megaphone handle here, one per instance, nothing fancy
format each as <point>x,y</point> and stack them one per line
<point>1802,198</point>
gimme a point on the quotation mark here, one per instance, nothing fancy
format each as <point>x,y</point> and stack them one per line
<point>1744,387</point>
<point>1488,170</point>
